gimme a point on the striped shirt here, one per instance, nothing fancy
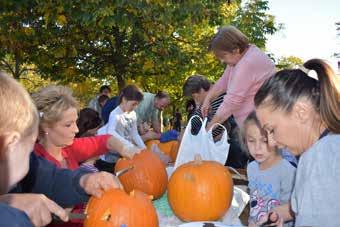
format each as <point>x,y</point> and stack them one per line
<point>229,124</point>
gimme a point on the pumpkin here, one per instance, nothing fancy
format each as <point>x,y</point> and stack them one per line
<point>169,148</point>
<point>200,190</point>
<point>149,143</point>
<point>148,174</point>
<point>116,208</point>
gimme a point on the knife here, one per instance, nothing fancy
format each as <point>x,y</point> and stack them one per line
<point>124,170</point>
<point>71,216</point>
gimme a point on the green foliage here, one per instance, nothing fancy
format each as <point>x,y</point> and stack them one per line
<point>154,43</point>
<point>290,62</point>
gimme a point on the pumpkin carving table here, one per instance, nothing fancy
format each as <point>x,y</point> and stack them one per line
<point>168,218</point>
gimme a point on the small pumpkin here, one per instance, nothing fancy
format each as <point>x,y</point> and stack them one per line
<point>169,148</point>
<point>116,208</point>
<point>148,174</point>
<point>200,190</point>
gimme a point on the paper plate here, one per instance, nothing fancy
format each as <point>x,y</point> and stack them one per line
<point>206,223</point>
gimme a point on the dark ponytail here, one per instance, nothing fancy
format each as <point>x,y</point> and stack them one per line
<point>329,106</point>
<point>287,86</point>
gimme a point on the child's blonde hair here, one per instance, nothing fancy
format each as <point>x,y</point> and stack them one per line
<point>251,119</point>
<point>18,112</point>
<point>52,101</point>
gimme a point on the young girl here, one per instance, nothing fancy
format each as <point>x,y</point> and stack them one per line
<point>303,114</point>
<point>270,176</point>
<point>123,125</point>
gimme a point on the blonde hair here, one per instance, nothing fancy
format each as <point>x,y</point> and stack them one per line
<point>251,119</point>
<point>18,111</point>
<point>229,38</point>
<point>52,101</point>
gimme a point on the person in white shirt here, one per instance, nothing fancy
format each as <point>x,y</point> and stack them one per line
<point>123,125</point>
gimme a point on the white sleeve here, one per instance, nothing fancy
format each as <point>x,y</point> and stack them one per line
<point>135,135</point>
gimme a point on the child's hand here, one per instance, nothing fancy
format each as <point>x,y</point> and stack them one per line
<point>271,219</point>
<point>95,183</point>
<point>130,151</point>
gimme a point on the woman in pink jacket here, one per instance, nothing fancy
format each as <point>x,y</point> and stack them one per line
<point>247,68</point>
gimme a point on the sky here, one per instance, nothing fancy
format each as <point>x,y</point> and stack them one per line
<point>309,29</point>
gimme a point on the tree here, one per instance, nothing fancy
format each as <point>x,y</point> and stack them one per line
<point>337,24</point>
<point>290,62</point>
<point>154,43</point>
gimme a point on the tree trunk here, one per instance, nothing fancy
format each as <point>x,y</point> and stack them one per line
<point>120,82</point>
<point>17,67</point>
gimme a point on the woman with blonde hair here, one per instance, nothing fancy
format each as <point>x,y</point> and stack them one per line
<point>58,111</point>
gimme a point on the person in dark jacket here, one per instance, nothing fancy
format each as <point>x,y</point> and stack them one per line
<point>39,188</point>
<point>110,105</point>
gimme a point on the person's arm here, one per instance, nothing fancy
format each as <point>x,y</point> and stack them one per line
<point>241,82</point>
<point>135,136</point>
<point>85,148</point>
<point>10,216</point>
<point>156,121</point>
<point>218,88</point>
<point>60,185</point>
<point>47,187</point>
<point>287,181</point>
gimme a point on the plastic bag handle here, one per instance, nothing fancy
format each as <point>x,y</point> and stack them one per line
<point>225,132</point>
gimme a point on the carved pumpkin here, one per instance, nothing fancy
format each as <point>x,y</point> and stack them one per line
<point>116,208</point>
<point>169,148</point>
<point>148,174</point>
<point>200,190</point>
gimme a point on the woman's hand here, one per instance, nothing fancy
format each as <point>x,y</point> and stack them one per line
<point>38,207</point>
<point>96,183</point>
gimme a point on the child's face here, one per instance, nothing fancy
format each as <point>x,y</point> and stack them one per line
<point>131,105</point>
<point>62,133</point>
<point>257,143</point>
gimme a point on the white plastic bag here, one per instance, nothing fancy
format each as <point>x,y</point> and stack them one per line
<point>202,144</point>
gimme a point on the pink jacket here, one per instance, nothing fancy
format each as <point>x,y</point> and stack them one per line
<point>241,82</point>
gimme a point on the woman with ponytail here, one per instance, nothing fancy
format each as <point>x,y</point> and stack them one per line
<point>303,114</point>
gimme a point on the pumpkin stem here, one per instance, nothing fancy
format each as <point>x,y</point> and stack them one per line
<point>132,193</point>
<point>198,159</point>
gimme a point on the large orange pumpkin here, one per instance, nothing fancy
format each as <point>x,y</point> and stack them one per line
<point>169,148</point>
<point>200,191</point>
<point>116,208</point>
<point>148,174</point>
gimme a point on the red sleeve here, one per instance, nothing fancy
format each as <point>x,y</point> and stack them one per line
<point>87,147</point>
